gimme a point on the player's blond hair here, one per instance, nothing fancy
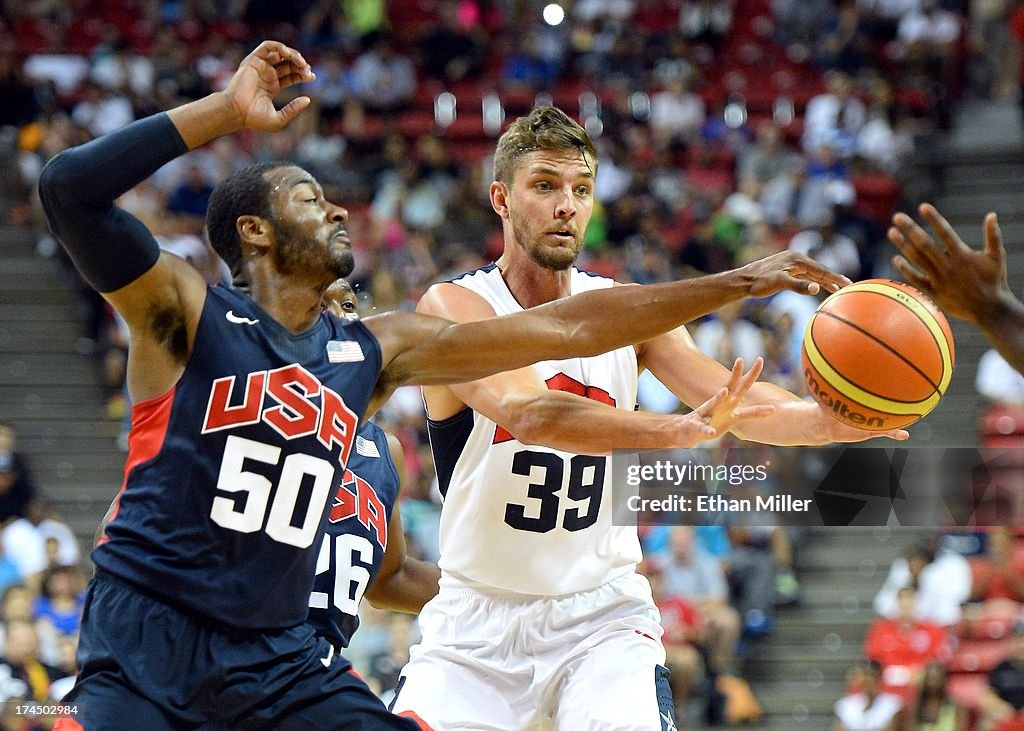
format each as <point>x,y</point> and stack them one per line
<point>544,128</point>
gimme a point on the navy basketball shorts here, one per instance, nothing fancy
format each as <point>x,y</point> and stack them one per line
<point>145,665</point>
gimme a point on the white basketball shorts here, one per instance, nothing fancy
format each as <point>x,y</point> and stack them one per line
<point>508,662</point>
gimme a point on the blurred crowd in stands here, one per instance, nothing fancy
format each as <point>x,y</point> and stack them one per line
<point>727,130</point>
<point>947,650</point>
<point>41,586</point>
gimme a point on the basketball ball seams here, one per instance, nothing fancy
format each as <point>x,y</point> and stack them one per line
<point>889,348</point>
<point>892,290</point>
<point>927,322</point>
<point>868,346</point>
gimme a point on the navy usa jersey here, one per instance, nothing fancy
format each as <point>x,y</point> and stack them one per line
<point>229,474</point>
<point>356,538</point>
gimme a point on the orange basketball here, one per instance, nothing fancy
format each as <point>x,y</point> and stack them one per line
<point>878,355</point>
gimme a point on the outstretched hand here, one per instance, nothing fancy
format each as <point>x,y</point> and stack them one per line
<point>723,411</point>
<point>968,283</point>
<point>790,270</point>
<point>269,69</point>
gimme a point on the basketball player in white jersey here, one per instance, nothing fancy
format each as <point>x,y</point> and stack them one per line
<point>542,620</point>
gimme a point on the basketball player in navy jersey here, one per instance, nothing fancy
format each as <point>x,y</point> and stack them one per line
<point>968,283</point>
<point>246,408</point>
<point>566,635</point>
<point>362,553</point>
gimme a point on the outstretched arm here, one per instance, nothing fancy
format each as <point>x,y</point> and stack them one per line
<point>403,583</point>
<point>159,295</point>
<point>970,284</point>
<point>534,413</point>
<point>691,375</point>
<point>426,350</point>
<point>78,187</point>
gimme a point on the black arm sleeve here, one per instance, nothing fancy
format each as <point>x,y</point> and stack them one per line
<point>78,187</point>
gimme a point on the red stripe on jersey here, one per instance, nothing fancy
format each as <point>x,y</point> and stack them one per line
<point>67,724</point>
<point>568,384</point>
<point>149,428</point>
<point>501,434</point>
<point>413,717</point>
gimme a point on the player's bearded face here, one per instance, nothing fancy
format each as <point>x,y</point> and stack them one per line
<point>532,235</point>
<point>302,249</point>
<point>549,205</point>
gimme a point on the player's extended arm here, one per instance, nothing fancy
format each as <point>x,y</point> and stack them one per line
<point>426,350</point>
<point>403,583</point>
<point>691,375</point>
<point>159,296</point>
<point>111,248</point>
<point>534,414</point>
<point>969,283</point>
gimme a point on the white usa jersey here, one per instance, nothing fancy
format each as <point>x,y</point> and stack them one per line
<point>524,518</point>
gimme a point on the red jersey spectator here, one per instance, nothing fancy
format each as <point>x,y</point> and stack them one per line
<point>1000,574</point>
<point>904,646</point>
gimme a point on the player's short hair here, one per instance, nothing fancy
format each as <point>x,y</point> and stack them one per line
<point>343,284</point>
<point>544,128</point>
<point>244,193</point>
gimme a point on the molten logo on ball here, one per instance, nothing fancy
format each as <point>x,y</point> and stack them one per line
<point>838,407</point>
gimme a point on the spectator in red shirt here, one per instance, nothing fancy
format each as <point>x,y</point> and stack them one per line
<point>904,646</point>
<point>1000,574</point>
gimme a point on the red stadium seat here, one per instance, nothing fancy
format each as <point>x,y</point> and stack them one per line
<point>986,628</point>
<point>467,126</point>
<point>877,195</point>
<point>1002,422</point>
<point>34,36</point>
<point>416,123</point>
<point>979,656</point>
<point>468,153</point>
<point>518,101</point>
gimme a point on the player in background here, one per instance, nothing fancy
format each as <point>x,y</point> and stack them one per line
<point>969,283</point>
<point>556,626</point>
<point>245,412</point>
<point>363,548</point>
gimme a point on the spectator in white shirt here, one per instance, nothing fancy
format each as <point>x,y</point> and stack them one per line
<point>828,247</point>
<point>383,78</point>
<point>835,117</point>
<point>677,114</point>
<point>930,35</point>
<point>868,709</point>
<point>998,381</point>
<point>942,580</point>
<point>727,336</point>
